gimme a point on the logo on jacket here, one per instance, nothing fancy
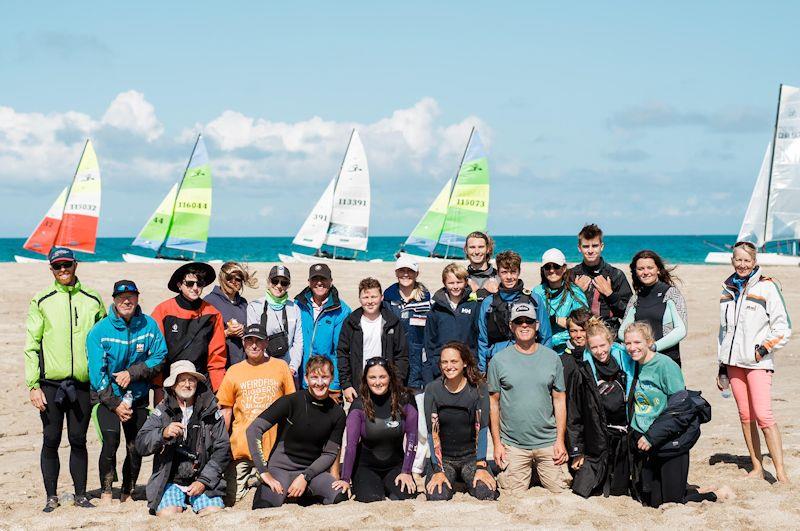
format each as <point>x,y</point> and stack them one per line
<point>139,347</point>
<point>391,331</point>
<point>175,327</point>
<point>467,311</point>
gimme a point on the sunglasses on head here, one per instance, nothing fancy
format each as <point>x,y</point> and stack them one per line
<point>65,264</point>
<point>377,361</point>
<point>524,321</point>
<point>551,267</point>
<point>193,283</point>
<point>275,281</point>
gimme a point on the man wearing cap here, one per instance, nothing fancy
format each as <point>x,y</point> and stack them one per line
<point>322,314</point>
<point>56,369</point>
<point>187,436</point>
<point>250,387</point>
<point>560,294</point>
<point>193,328</point>
<point>528,409</point>
<point>280,317</point>
<point>126,350</point>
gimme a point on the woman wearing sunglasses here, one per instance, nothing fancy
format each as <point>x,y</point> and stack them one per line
<point>560,294</point>
<point>280,316</point>
<point>381,437</point>
<point>227,298</point>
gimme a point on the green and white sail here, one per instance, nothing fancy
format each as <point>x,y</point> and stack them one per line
<point>427,232</point>
<point>182,219</point>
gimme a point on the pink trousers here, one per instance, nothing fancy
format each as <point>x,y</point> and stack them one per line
<point>752,389</point>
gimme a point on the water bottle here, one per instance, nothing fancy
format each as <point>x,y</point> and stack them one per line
<point>725,383</point>
<point>128,399</point>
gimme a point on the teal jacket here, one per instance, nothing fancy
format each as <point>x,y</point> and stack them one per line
<point>561,304</point>
<point>623,359</point>
<point>114,345</point>
<point>321,335</point>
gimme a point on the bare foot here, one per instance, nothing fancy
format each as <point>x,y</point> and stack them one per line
<point>756,473</point>
<point>782,478</point>
<point>725,493</point>
<point>124,497</point>
<point>106,498</point>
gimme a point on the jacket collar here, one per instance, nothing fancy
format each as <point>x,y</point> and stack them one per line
<point>186,304</point>
<point>389,318</point>
<point>392,294</point>
<point>217,292</point>
<point>119,323</point>
<point>489,272</point>
<point>754,277</point>
<point>75,288</point>
<point>304,299</point>
<point>441,298</point>
<point>205,403</point>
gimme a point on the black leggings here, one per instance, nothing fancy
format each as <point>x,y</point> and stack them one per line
<point>463,469</point>
<point>371,485</point>
<point>110,428</point>
<point>78,414</point>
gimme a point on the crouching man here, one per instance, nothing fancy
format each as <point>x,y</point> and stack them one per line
<point>187,434</point>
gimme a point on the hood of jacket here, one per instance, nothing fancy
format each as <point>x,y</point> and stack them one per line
<point>441,299</point>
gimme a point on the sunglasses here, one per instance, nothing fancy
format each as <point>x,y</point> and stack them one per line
<point>238,280</point>
<point>62,265</point>
<point>376,361</point>
<point>551,267</point>
<point>193,283</point>
<point>275,281</point>
<point>524,321</point>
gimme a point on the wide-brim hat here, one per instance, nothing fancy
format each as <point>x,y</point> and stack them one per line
<point>206,271</point>
<point>182,367</point>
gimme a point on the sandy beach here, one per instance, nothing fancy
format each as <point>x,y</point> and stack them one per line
<point>718,459</point>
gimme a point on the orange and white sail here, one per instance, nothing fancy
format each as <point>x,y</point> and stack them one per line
<point>72,219</point>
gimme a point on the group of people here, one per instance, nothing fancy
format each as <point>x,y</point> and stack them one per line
<point>484,385</point>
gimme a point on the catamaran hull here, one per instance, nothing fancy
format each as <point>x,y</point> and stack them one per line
<point>431,259</point>
<point>26,260</point>
<point>767,259</point>
<point>286,258</point>
<point>311,259</point>
<point>139,259</point>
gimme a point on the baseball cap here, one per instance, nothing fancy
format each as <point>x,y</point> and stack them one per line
<point>523,309</point>
<point>279,271</point>
<point>60,254</point>
<point>406,261</point>
<point>554,256</point>
<point>320,270</point>
<point>255,330</point>
<point>124,286</point>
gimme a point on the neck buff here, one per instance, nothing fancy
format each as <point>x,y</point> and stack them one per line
<point>276,303</point>
<point>740,282</point>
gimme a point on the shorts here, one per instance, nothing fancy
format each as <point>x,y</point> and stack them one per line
<point>174,497</point>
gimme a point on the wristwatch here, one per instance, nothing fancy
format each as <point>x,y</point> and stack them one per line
<point>762,351</point>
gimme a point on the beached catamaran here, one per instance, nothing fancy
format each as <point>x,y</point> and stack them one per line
<point>773,214</point>
<point>72,219</point>
<point>461,207</point>
<point>181,221</point>
<point>340,218</point>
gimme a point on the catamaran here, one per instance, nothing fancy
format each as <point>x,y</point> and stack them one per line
<point>71,221</point>
<point>773,213</point>
<point>340,218</point>
<point>181,221</point>
<point>461,207</point>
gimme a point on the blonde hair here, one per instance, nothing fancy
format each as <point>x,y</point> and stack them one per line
<point>459,271</point>
<point>229,268</point>
<point>643,328</point>
<point>596,327</point>
<point>747,247</point>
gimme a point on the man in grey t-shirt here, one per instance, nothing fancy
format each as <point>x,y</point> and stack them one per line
<point>528,409</point>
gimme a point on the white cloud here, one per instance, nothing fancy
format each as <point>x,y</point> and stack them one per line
<point>131,112</point>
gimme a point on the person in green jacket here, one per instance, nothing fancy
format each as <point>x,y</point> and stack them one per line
<point>56,370</point>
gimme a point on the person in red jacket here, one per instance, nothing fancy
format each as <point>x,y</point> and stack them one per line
<point>193,328</point>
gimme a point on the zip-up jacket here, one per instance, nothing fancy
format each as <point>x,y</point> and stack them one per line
<point>756,317</point>
<point>445,324</point>
<point>321,335</point>
<point>610,309</point>
<point>413,314</point>
<point>59,319</point>
<point>560,303</point>
<point>351,347</point>
<point>258,311</point>
<point>193,331</point>
<point>114,345</point>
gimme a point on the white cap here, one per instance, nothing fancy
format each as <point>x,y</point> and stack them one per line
<point>405,260</point>
<point>554,256</point>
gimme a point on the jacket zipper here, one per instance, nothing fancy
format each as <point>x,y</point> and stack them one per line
<point>71,353</point>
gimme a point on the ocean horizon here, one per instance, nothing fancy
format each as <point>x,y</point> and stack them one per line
<point>675,249</point>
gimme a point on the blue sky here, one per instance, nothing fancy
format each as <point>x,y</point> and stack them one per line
<point>643,117</point>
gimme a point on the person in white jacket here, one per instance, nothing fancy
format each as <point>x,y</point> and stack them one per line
<point>280,316</point>
<point>754,324</point>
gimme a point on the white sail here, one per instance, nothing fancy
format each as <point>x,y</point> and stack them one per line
<point>315,229</point>
<point>753,224</point>
<point>349,221</point>
<point>783,215</point>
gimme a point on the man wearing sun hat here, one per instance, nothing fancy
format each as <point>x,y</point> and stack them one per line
<point>56,369</point>
<point>186,433</point>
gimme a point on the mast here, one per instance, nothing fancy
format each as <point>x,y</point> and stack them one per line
<point>177,192</point>
<point>336,183</point>
<point>771,162</point>
<point>463,156</point>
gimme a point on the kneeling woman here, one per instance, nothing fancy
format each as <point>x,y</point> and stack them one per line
<point>457,417</point>
<point>310,432</point>
<point>597,416</point>
<point>379,419</point>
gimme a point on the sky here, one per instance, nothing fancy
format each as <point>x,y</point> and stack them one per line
<point>644,117</point>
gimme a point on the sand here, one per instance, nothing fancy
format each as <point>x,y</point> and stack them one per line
<point>720,457</point>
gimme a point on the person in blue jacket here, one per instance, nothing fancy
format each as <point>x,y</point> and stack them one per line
<point>494,333</point>
<point>126,350</point>
<point>410,301</point>
<point>322,314</point>
<point>560,294</point>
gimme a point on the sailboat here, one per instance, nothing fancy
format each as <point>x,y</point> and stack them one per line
<point>461,207</point>
<point>773,213</point>
<point>71,221</point>
<point>181,221</point>
<point>340,218</point>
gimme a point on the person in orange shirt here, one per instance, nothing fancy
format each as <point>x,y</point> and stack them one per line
<point>194,329</point>
<point>248,388</point>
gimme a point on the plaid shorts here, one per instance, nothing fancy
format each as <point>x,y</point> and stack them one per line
<point>174,497</point>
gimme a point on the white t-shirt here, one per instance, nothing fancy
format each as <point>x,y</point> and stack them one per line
<point>372,337</point>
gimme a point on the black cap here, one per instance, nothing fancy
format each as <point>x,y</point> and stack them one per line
<point>206,275</point>
<point>320,270</point>
<point>279,271</point>
<point>60,254</point>
<point>255,330</point>
<point>124,286</point>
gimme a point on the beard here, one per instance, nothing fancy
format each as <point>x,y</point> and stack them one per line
<point>184,394</point>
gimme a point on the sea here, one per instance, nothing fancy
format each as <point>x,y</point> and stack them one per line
<point>676,249</point>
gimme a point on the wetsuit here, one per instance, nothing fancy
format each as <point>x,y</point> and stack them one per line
<point>664,308</point>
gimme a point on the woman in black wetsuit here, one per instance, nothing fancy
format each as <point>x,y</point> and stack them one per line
<point>377,461</point>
